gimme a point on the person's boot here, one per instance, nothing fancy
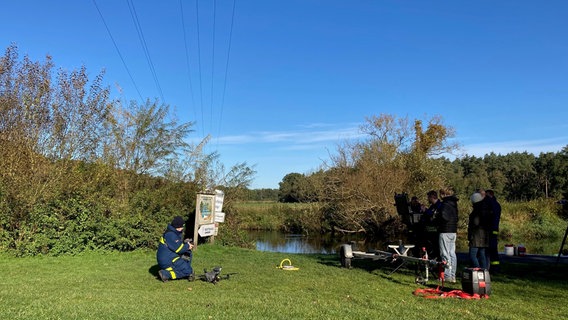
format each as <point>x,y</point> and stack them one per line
<point>191,277</point>
<point>163,276</point>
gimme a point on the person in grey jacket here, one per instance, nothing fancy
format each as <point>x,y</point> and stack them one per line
<point>478,231</point>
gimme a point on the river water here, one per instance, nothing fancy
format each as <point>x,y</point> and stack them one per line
<point>275,241</point>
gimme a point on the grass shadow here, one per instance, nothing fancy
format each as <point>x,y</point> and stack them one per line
<point>537,272</point>
<point>153,270</point>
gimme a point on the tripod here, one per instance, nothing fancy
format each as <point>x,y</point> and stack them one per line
<point>562,246</point>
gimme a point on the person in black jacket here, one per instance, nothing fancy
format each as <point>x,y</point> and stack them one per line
<point>478,230</point>
<point>447,222</point>
<point>174,255</point>
<point>493,251</point>
<point>430,233</point>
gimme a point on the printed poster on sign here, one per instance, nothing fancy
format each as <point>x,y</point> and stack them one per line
<point>205,208</point>
<point>219,197</point>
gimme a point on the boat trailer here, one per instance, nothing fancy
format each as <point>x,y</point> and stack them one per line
<point>398,253</point>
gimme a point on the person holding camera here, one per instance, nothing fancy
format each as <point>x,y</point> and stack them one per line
<point>174,255</point>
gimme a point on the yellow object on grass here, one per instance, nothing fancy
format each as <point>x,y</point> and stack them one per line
<point>288,267</point>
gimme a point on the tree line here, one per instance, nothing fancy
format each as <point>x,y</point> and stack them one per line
<point>356,186</point>
<point>516,176</point>
<point>82,170</point>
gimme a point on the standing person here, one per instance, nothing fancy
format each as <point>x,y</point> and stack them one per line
<point>478,231</point>
<point>493,252</point>
<point>174,255</point>
<point>415,205</point>
<point>447,222</point>
<point>430,229</point>
<point>435,203</point>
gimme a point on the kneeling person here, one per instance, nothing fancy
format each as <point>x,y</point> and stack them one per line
<point>174,255</point>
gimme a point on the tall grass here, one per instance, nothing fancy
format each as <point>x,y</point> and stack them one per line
<point>533,220</point>
<point>287,217</point>
<point>124,286</point>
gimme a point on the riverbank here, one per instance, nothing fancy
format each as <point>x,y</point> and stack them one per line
<point>534,224</point>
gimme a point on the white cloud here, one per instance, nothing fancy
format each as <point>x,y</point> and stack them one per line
<point>294,137</point>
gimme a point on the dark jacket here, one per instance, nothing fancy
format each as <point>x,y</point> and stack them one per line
<point>447,217</point>
<point>496,213</point>
<point>478,228</point>
<point>427,218</point>
<point>171,247</point>
<point>433,208</point>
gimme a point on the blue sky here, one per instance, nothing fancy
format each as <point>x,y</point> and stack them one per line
<point>302,76</point>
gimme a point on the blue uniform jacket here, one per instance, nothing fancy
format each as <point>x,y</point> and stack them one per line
<point>171,247</point>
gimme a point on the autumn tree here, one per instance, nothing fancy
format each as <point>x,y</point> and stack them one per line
<point>396,155</point>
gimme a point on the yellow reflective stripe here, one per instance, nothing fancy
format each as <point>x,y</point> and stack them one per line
<point>162,241</point>
<point>180,247</point>
<point>171,271</point>
<point>494,262</point>
<point>495,232</point>
<point>175,259</point>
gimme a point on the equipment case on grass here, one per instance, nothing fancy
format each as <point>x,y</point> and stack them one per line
<point>476,281</point>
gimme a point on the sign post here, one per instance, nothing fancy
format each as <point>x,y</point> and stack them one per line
<point>208,214</point>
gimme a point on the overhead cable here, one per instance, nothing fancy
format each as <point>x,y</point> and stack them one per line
<point>117,50</point>
<point>226,68</point>
<point>213,62</point>
<point>144,46</point>
<point>187,60</point>
<point>199,61</point>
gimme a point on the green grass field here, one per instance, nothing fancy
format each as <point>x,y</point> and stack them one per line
<point>124,286</point>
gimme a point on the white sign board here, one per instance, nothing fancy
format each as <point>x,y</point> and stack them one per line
<point>207,230</point>
<point>220,217</point>
<point>219,197</point>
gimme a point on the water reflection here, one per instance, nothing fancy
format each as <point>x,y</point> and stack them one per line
<point>275,241</point>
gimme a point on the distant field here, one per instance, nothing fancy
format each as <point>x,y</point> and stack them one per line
<point>271,215</point>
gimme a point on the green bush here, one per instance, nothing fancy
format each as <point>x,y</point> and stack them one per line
<point>74,224</point>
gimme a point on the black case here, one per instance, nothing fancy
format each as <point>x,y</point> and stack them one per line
<point>476,281</point>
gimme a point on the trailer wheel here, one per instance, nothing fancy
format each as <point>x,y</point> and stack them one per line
<point>420,280</point>
<point>346,255</point>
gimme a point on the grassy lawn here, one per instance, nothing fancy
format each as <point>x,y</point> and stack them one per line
<point>124,286</point>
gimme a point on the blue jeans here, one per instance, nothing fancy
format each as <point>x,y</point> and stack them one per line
<point>447,243</point>
<point>477,257</point>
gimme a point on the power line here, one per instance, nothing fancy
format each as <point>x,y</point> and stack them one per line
<point>117,50</point>
<point>187,60</point>
<point>144,46</point>
<point>199,61</point>
<point>213,61</point>
<point>226,68</point>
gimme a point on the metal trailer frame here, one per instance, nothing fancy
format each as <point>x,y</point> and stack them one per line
<point>399,253</point>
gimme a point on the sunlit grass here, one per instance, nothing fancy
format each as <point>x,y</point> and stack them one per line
<point>124,286</point>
